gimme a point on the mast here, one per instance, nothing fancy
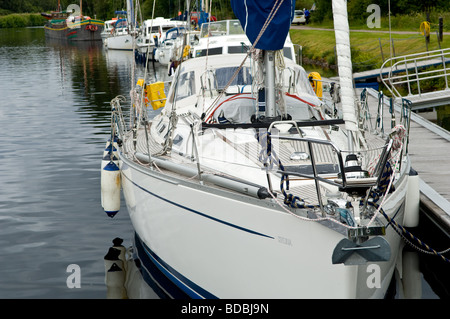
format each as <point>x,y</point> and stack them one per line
<point>342,34</point>
<point>266,24</point>
<point>130,15</point>
<point>269,64</point>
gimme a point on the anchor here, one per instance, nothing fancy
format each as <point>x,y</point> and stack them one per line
<point>350,253</point>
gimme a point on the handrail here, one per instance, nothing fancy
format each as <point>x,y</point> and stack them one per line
<point>344,180</point>
<point>414,68</point>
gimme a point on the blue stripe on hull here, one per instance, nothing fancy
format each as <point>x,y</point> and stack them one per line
<point>197,212</point>
<point>171,281</point>
<point>174,284</point>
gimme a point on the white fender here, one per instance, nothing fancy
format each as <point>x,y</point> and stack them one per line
<point>110,188</point>
<point>109,154</point>
<point>411,275</point>
<point>412,201</point>
<point>114,275</point>
<point>117,244</point>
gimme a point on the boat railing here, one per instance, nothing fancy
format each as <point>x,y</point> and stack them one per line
<point>323,161</point>
<point>414,70</point>
<point>118,125</point>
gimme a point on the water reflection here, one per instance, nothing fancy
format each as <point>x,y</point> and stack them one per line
<point>50,208</point>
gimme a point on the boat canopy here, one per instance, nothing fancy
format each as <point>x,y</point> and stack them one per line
<point>120,23</point>
<point>253,14</point>
<point>175,32</point>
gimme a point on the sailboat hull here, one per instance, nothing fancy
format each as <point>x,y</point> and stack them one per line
<point>119,42</point>
<point>201,242</point>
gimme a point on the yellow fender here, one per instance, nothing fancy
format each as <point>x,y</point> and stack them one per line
<point>186,50</point>
<point>315,80</point>
<point>425,28</point>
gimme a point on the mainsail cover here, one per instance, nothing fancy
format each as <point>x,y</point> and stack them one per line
<point>253,14</point>
<point>344,59</point>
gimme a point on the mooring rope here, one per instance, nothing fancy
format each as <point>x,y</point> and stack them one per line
<point>408,236</point>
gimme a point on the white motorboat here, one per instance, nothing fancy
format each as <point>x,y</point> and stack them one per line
<point>173,46</point>
<point>153,33</point>
<point>228,37</point>
<point>243,186</point>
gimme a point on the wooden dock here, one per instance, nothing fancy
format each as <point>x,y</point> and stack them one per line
<point>429,148</point>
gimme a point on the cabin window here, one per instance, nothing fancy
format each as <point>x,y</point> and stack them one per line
<point>153,29</point>
<point>287,52</point>
<point>236,28</point>
<point>237,49</point>
<point>223,75</point>
<point>212,51</point>
<point>185,85</point>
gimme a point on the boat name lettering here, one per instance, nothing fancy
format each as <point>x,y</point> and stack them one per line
<point>285,241</point>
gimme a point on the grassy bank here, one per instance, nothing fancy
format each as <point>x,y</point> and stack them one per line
<point>369,49</point>
<point>404,22</point>
<point>20,20</point>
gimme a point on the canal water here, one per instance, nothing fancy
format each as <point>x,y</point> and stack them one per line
<point>54,122</point>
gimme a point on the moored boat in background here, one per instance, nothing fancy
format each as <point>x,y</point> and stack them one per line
<point>64,25</point>
<point>153,33</point>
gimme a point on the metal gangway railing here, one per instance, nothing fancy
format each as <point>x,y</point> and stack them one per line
<point>422,78</point>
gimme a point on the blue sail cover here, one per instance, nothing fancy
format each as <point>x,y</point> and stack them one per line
<point>253,14</point>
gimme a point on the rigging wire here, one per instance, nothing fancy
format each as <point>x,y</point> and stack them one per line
<point>269,19</point>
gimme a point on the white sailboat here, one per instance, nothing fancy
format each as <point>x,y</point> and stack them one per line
<point>244,187</point>
<point>123,30</point>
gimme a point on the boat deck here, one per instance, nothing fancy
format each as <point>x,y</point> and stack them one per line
<point>325,158</point>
